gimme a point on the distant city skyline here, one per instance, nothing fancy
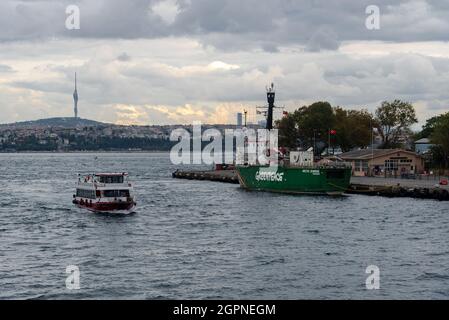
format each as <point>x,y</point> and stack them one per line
<point>177,61</point>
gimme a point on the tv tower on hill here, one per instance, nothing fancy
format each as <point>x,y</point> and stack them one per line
<point>75,99</point>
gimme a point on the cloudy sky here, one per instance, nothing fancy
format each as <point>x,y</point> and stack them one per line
<point>175,61</point>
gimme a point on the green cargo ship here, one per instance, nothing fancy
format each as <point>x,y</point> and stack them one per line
<point>298,173</point>
<point>299,180</point>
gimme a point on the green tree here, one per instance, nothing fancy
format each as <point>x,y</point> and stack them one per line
<point>354,128</point>
<point>393,119</point>
<point>440,139</point>
<point>309,127</point>
<point>288,131</point>
<point>428,128</point>
<point>313,124</point>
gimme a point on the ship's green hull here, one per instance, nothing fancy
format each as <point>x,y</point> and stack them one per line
<point>332,181</point>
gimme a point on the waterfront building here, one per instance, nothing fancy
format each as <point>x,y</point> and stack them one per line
<point>380,162</point>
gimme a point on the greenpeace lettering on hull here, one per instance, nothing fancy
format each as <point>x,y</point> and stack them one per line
<point>269,175</point>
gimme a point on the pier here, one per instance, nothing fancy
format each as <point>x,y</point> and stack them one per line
<point>228,176</point>
<point>386,187</point>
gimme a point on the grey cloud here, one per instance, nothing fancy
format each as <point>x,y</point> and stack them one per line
<point>4,68</point>
<point>124,57</point>
<point>43,86</point>
<point>438,106</point>
<point>270,47</point>
<point>338,78</point>
<point>323,39</point>
<point>232,24</point>
<point>167,67</point>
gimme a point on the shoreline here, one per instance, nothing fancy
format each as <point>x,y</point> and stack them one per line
<point>80,151</point>
<point>390,188</point>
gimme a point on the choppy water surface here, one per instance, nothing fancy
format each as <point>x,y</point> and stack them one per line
<point>192,239</point>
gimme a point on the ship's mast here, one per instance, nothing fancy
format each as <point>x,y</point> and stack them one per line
<point>267,111</point>
<point>270,99</point>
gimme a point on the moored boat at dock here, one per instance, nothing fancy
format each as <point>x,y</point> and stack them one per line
<point>295,172</point>
<point>329,180</point>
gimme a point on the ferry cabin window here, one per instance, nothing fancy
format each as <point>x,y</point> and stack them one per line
<point>90,194</point>
<point>116,193</point>
<point>111,179</point>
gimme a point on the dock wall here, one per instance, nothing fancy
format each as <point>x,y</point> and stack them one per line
<point>367,186</point>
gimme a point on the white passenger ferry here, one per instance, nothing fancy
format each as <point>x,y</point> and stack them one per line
<point>105,192</point>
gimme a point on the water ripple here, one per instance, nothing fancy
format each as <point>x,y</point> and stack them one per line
<point>205,240</point>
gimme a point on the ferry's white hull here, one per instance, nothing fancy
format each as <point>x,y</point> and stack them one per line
<point>107,207</point>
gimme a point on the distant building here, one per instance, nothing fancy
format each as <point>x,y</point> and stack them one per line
<point>239,119</point>
<point>262,123</point>
<point>422,145</point>
<point>379,162</point>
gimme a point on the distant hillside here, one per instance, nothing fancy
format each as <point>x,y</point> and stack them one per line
<point>71,122</point>
<point>64,122</point>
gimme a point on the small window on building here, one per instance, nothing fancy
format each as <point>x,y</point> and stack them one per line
<point>391,165</point>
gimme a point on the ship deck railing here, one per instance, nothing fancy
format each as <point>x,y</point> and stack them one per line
<point>124,184</point>
<point>333,165</point>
